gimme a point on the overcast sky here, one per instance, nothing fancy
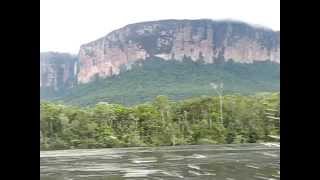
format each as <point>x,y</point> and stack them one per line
<point>66,24</point>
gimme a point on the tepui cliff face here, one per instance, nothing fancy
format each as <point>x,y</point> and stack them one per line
<point>205,40</point>
<point>57,70</point>
<point>199,40</point>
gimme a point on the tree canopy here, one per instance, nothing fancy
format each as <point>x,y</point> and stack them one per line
<point>160,122</point>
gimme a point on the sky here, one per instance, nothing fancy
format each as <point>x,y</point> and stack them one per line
<point>66,24</point>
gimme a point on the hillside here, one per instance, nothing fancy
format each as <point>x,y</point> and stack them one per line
<point>177,80</point>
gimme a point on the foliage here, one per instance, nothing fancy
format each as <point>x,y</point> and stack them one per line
<point>175,79</point>
<point>160,122</point>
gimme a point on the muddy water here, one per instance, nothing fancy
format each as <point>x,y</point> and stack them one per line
<point>225,162</point>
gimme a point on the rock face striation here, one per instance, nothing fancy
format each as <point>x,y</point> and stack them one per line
<point>58,71</point>
<point>199,40</point>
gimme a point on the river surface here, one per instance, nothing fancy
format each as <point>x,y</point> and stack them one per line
<point>204,162</point>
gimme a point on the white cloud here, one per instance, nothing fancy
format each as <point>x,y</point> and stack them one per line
<point>66,24</point>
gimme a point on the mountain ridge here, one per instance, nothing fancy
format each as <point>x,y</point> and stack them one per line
<point>175,42</point>
<point>176,20</point>
<point>212,41</point>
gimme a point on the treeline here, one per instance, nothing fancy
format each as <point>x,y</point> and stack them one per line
<point>246,119</point>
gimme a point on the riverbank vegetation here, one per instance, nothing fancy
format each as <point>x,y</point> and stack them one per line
<point>246,119</point>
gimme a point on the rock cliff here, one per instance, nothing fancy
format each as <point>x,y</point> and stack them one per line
<point>58,71</point>
<point>199,40</point>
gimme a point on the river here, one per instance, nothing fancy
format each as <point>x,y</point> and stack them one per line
<point>205,162</point>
